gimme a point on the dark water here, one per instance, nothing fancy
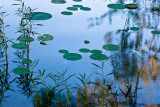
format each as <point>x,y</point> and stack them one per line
<point>102,25</point>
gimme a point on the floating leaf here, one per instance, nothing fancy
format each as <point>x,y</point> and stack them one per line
<point>111,47</point>
<point>84,50</point>
<point>63,51</point>
<point>116,6</point>
<point>38,16</point>
<point>45,37</point>
<point>26,61</point>
<point>43,43</point>
<point>135,28</point>
<point>77,0</point>
<point>26,39</point>
<point>77,6</point>
<point>58,1</point>
<point>86,42</point>
<point>131,6</point>
<point>19,46</point>
<point>96,51</point>
<point>85,8</point>
<point>72,8</point>
<point>21,71</point>
<point>98,57</point>
<point>72,56</point>
<point>155,32</point>
<point>66,13</point>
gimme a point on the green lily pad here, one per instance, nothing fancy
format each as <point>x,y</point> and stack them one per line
<point>98,57</point>
<point>131,6</point>
<point>19,46</point>
<point>72,56</point>
<point>116,6</point>
<point>43,43</point>
<point>155,32</point>
<point>135,28</point>
<point>85,8</point>
<point>96,51</point>
<point>111,47</point>
<point>26,39</point>
<point>45,37</point>
<point>66,13</point>
<point>77,0</point>
<point>63,51</point>
<point>72,8</point>
<point>84,50</point>
<point>26,61</point>
<point>38,16</point>
<point>21,71</point>
<point>77,6</point>
<point>86,42</point>
<point>58,1</point>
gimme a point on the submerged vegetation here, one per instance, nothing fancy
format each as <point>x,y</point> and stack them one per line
<point>118,87</point>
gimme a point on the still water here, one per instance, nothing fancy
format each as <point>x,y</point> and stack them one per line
<point>101,25</point>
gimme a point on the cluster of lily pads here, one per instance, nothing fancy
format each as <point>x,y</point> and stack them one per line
<point>75,8</point>
<point>27,39</point>
<point>95,54</point>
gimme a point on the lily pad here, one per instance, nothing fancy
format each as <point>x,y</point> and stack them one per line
<point>96,51</point>
<point>111,47</point>
<point>77,0</point>
<point>72,8</point>
<point>66,13</point>
<point>43,43</point>
<point>155,32</point>
<point>39,16</point>
<point>98,57</point>
<point>131,6</point>
<point>26,39</point>
<point>85,8</point>
<point>58,1</point>
<point>135,28</point>
<point>45,37</point>
<point>72,56</point>
<point>86,42</point>
<point>21,71</point>
<point>19,46</point>
<point>26,61</point>
<point>116,6</point>
<point>77,6</point>
<point>84,50</point>
<point>63,51</point>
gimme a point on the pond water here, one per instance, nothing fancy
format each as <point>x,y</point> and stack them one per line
<point>132,69</point>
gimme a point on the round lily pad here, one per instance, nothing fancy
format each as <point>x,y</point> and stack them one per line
<point>98,57</point>
<point>45,37</point>
<point>77,6</point>
<point>131,6</point>
<point>58,1</point>
<point>155,32</point>
<point>63,51</point>
<point>19,46</point>
<point>85,8</point>
<point>84,50</point>
<point>72,8</point>
<point>116,6</point>
<point>21,71</point>
<point>135,28</point>
<point>66,13</point>
<point>96,51</point>
<point>77,0</point>
<point>38,16</point>
<point>111,47</point>
<point>26,39</point>
<point>26,61</point>
<point>86,42</point>
<point>72,56</point>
